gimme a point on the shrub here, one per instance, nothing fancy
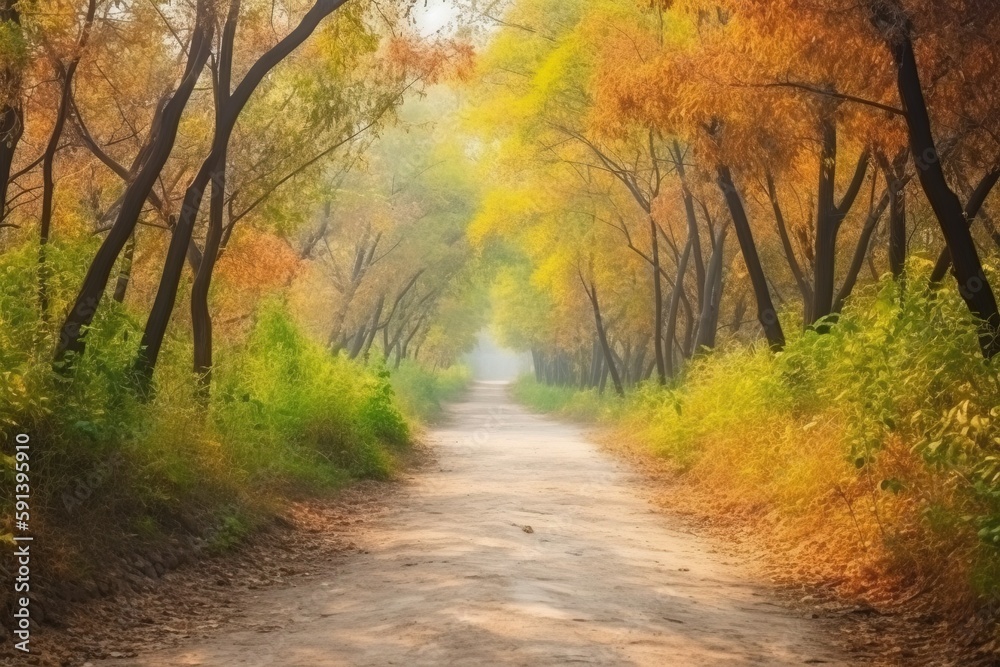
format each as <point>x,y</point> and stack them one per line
<point>422,392</point>
<point>283,415</point>
<point>874,447</point>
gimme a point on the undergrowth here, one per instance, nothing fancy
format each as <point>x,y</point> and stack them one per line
<point>871,452</point>
<point>284,416</point>
<point>422,392</point>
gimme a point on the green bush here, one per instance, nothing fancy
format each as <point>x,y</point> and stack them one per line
<point>283,414</point>
<point>586,405</point>
<point>422,392</point>
<point>298,412</point>
<point>879,441</point>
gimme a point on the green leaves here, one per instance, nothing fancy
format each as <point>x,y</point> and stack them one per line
<point>892,485</point>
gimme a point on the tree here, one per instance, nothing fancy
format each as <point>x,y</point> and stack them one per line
<point>157,150</point>
<point>12,63</point>
<point>64,74</point>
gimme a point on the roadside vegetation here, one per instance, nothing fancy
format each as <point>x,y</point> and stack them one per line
<point>112,471</point>
<point>232,272</point>
<point>757,239</point>
<point>866,451</point>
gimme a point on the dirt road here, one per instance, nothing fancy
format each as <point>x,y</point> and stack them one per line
<point>523,545</point>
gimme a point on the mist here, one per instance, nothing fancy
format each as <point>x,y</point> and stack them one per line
<point>491,363</point>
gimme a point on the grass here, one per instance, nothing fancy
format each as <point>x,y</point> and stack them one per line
<point>422,392</point>
<point>869,456</point>
<point>108,470</point>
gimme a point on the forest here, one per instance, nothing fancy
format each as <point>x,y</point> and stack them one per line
<point>246,246</point>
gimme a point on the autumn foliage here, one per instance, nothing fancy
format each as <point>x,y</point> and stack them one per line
<point>677,183</point>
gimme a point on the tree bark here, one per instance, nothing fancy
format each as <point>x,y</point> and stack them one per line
<point>895,174</point>
<point>201,318</point>
<point>125,272</point>
<point>166,295</point>
<point>973,286</point>
<point>360,336</point>
<point>376,318</point>
<point>675,302</point>
<point>825,251</point>
<point>194,254</point>
<point>661,367</point>
<point>972,210</point>
<point>829,217</point>
<point>609,359</point>
<point>766,313</point>
<point>708,322</point>
<point>692,221</point>
<point>65,76</point>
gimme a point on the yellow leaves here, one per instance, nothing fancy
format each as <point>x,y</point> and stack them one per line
<point>503,213</point>
<point>555,72</point>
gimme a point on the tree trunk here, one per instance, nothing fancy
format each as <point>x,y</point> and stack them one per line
<point>336,339</point>
<point>596,361</point>
<point>708,323</point>
<point>65,76</point>
<point>412,334</point>
<point>972,283</point>
<point>675,302</point>
<point>973,208</point>
<point>766,313</point>
<point>166,295</point>
<point>825,251</point>
<point>11,114</point>
<point>609,359</point>
<point>125,272</point>
<point>376,317</point>
<point>201,317</point>
<point>895,175</point>
<point>85,306</point>
<point>689,323</point>
<point>638,365</point>
<point>359,341</point>
<point>661,367</point>
<point>363,256</point>
<point>692,222</point>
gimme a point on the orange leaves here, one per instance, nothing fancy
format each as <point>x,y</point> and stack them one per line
<point>745,82</point>
<point>431,62</point>
<point>257,262</point>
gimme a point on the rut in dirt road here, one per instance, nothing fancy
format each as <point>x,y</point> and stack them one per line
<point>523,545</point>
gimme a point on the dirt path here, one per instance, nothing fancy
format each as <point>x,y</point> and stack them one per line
<point>523,545</point>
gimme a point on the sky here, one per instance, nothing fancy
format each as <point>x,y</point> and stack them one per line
<point>434,15</point>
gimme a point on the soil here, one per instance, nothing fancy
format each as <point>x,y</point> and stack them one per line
<point>522,544</point>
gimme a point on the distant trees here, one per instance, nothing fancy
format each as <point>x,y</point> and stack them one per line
<point>805,124</point>
<point>11,105</point>
<point>390,245</point>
